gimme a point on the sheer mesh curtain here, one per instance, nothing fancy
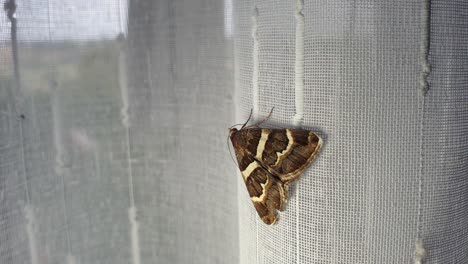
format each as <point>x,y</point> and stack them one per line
<point>114,149</point>
<point>391,184</point>
<point>112,144</point>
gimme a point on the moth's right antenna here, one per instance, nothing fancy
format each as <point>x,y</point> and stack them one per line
<point>266,118</point>
<point>247,119</point>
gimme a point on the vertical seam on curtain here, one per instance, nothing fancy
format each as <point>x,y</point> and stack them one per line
<point>255,90</point>
<point>132,211</point>
<point>125,120</point>
<point>10,8</point>
<point>424,48</point>
<point>299,98</point>
<point>60,152</point>
<point>28,210</point>
<point>420,253</point>
<point>60,169</point>
<point>299,64</point>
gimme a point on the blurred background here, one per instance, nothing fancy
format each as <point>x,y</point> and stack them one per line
<point>113,133</point>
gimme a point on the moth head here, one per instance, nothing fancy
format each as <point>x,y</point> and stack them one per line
<point>232,131</point>
<point>233,135</point>
<point>236,137</point>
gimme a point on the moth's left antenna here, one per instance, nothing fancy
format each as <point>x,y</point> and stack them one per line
<point>248,119</point>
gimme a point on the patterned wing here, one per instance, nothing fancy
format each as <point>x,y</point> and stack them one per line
<point>270,159</point>
<point>288,152</point>
<point>266,191</point>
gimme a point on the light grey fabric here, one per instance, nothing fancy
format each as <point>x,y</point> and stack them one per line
<point>180,91</point>
<point>391,184</point>
<point>121,156</point>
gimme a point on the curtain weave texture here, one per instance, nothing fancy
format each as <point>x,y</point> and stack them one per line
<point>114,117</point>
<point>385,84</point>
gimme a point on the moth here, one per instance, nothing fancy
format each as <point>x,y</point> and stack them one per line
<point>269,161</point>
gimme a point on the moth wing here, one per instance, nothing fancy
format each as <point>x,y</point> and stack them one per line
<point>269,160</point>
<point>266,192</point>
<point>288,152</point>
<point>245,142</point>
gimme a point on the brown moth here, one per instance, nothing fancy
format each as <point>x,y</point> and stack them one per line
<point>270,160</point>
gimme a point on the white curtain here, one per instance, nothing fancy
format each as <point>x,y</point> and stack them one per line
<point>114,117</point>
<point>386,84</point>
